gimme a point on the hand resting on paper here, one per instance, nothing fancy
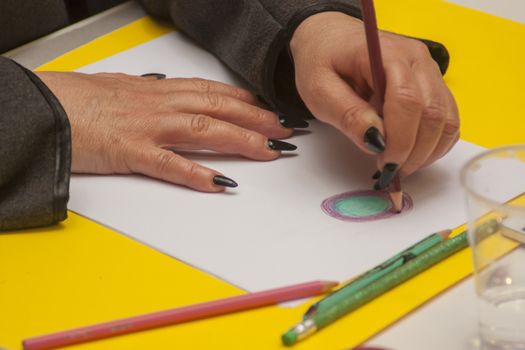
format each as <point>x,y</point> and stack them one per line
<point>333,78</point>
<point>127,124</point>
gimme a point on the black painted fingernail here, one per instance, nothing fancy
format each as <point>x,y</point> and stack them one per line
<point>387,175</point>
<point>293,123</point>
<point>159,76</point>
<point>224,181</point>
<point>278,145</point>
<point>376,186</point>
<point>374,141</point>
<point>376,175</point>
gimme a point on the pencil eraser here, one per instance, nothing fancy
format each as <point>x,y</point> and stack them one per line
<point>289,338</point>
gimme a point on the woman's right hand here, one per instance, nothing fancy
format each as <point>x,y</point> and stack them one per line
<point>127,124</point>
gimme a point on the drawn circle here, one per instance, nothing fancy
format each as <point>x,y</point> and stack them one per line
<point>363,205</point>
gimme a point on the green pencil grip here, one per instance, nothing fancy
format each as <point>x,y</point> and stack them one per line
<point>403,273</point>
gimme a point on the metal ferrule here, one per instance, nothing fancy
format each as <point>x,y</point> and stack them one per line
<point>305,328</point>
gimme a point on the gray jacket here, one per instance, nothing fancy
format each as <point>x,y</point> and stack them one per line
<point>249,36</point>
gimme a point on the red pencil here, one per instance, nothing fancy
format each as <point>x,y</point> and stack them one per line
<point>378,76</point>
<point>179,315</point>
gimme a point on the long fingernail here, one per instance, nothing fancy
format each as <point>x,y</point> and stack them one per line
<point>376,175</point>
<point>278,145</point>
<point>387,175</point>
<point>159,76</point>
<point>293,123</point>
<point>374,141</point>
<point>224,181</point>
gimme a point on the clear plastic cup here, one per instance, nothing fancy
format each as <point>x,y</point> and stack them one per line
<point>494,182</point>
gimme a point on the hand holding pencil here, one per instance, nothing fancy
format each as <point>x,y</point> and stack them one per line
<point>419,121</point>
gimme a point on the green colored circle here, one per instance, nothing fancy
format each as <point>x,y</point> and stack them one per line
<point>362,206</point>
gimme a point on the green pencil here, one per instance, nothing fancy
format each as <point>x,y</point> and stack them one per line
<point>331,312</point>
<point>377,272</point>
<point>422,262</point>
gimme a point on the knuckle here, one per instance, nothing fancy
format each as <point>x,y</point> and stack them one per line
<point>164,162</point>
<point>241,94</point>
<point>213,101</point>
<point>202,85</point>
<point>247,137</point>
<point>434,115</point>
<point>408,96</point>
<point>200,124</point>
<point>451,128</point>
<point>190,172</point>
<point>419,48</point>
<point>350,117</point>
<point>260,117</point>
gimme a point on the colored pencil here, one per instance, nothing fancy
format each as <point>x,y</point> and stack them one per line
<point>362,296</point>
<point>372,275</point>
<point>379,79</point>
<point>178,315</point>
<point>428,252</point>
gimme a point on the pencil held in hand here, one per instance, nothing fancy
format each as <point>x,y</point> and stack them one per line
<point>378,77</point>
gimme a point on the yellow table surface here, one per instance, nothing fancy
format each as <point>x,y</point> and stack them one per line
<point>80,273</point>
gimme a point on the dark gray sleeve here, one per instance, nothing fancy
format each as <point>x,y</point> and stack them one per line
<point>24,20</point>
<point>35,151</point>
<point>241,33</point>
<point>252,37</point>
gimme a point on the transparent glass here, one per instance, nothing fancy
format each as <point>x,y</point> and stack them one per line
<point>494,183</point>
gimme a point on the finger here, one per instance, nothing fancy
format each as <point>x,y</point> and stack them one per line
<point>133,78</point>
<point>168,166</point>
<point>402,113</point>
<point>228,109</point>
<point>126,78</point>
<point>205,86</point>
<point>435,112</point>
<point>333,101</point>
<point>189,131</point>
<point>450,134</point>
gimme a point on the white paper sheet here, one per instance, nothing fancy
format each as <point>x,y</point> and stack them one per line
<point>509,9</point>
<point>270,231</point>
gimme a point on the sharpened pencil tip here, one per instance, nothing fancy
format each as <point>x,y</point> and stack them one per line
<point>329,285</point>
<point>445,234</point>
<point>397,201</point>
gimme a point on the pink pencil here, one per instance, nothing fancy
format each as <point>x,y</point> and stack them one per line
<point>174,316</point>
